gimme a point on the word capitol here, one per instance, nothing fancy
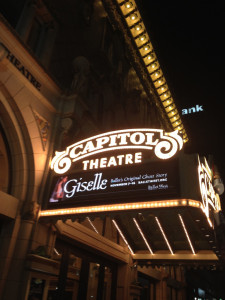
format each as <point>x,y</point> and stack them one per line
<point>165,145</point>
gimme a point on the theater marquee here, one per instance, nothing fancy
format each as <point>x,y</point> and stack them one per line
<point>154,180</point>
<point>128,170</point>
<point>163,145</point>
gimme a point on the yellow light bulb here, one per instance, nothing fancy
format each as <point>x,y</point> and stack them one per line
<point>133,17</point>
<point>128,5</point>
<point>138,27</point>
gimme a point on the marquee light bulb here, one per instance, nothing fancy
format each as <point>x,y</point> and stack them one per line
<point>133,17</point>
<point>138,27</point>
<point>128,5</point>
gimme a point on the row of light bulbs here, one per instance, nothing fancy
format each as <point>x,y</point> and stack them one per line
<point>143,43</point>
<point>120,207</point>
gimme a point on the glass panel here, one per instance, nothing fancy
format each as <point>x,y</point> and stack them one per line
<point>73,276</point>
<point>93,281</point>
<point>72,281</point>
<point>36,289</point>
<point>107,283</point>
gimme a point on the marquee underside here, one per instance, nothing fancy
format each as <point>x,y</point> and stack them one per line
<point>170,235</point>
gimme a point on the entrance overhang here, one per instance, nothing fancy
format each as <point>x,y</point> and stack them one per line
<point>163,234</point>
<point>202,257</point>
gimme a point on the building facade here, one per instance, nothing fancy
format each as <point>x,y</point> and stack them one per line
<point>70,71</point>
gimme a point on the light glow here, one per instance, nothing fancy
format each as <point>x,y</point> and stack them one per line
<point>186,233</point>
<point>163,233</point>
<point>128,5</point>
<point>210,199</point>
<point>142,38</point>
<point>138,27</point>
<point>123,237</point>
<point>142,234</point>
<point>133,17</point>
<point>117,207</point>
<point>92,225</point>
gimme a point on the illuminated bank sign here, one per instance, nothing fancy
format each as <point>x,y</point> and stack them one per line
<point>195,109</point>
<point>163,145</point>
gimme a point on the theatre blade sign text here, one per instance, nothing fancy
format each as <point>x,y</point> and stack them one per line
<point>210,199</point>
<point>163,145</point>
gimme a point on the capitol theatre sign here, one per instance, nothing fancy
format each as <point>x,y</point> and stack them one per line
<point>163,145</point>
<point>117,166</point>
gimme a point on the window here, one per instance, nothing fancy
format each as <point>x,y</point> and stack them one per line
<point>37,28</point>
<point>35,34</point>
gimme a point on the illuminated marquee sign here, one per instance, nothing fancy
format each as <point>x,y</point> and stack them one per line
<point>210,199</point>
<point>164,145</point>
<point>155,180</point>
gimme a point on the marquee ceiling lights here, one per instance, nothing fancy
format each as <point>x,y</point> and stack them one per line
<point>186,233</point>
<point>92,225</point>
<point>123,237</point>
<point>164,235</point>
<point>138,31</point>
<point>143,236</point>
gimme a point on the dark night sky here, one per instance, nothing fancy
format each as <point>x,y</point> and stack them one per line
<point>188,38</point>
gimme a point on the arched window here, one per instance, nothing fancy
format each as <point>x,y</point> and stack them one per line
<point>4,162</point>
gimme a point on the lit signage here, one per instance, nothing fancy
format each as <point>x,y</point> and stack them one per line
<point>210,199</point>
<point>155,180</point>
<point>164,145</point>
<point>191,110</point>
